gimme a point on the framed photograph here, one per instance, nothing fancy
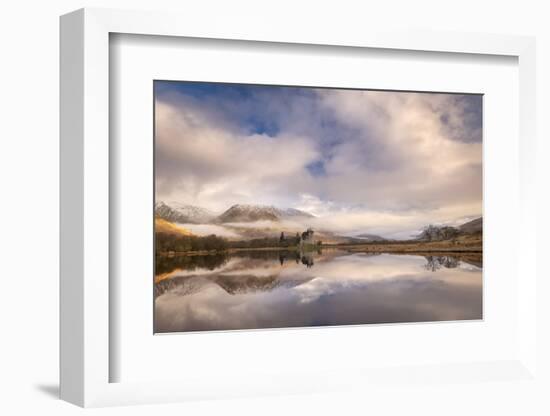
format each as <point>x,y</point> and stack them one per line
<point>279,206</point>
<point>258,211</point>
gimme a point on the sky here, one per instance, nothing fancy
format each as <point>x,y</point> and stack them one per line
<point>381,162</point>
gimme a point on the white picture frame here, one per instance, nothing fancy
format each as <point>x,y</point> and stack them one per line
<point>85,210</point>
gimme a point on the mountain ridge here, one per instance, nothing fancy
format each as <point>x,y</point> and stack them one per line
<point>370,237</point>
<point>183,213</point>
<point>251,213</point>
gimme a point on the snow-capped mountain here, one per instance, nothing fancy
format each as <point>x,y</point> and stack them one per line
<point>182,213</point>
<point>251,213</point>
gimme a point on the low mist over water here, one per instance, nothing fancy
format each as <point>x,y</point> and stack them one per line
<point>277,289</point>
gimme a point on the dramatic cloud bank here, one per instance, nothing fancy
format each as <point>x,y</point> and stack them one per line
<point>369,161</point>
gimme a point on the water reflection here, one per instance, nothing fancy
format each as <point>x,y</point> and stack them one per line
<point>267,289</point>
<point>434,263</point>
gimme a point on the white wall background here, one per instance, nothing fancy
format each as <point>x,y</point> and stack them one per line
<point>29,205</point>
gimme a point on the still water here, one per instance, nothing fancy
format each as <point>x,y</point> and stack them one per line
<point>275,289</point>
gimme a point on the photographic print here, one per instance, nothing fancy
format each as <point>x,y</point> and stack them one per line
<point>284,206</point>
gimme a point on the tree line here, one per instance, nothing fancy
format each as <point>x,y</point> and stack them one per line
<point>438,233</point>
<point>166,242</point>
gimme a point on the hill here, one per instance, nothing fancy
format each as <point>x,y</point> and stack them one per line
<point>163,226</point>
<point>445,232</point>
<point>370,237</point>
<point>472,227</point>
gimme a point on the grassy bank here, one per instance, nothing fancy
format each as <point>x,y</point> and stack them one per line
<point>463,244</point>
<point>432,247</point>
<point>234,250</point>
<point>410,247</point>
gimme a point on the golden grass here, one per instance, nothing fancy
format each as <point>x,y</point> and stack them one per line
<point>462,244</point>
<point>163,226</point>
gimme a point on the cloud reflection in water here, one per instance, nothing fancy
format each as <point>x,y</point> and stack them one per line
<point>335,288</point>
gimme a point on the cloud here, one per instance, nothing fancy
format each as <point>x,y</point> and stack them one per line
<point>199,162</point>
<point>403,156</point>
<point>387,161</point>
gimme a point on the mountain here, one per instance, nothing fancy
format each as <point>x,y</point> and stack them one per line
<point>251,213</point>
<point>370,237</point>
<point>181,213</point>
<point>472,227</point>
<point>289,213</point>
<point>163,226</point>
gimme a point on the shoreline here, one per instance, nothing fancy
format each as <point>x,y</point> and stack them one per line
<point>395,248</point>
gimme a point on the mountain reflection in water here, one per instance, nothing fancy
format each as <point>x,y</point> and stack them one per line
<point>275,289</point>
